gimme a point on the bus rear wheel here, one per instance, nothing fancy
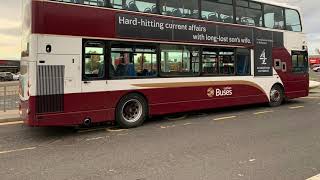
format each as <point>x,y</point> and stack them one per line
<point>276,96</point>
<point>131,111</point>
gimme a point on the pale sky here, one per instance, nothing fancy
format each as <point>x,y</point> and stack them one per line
<point>10,23</point>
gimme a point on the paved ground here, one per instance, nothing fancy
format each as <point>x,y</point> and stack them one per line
<point>11,100</point>
<point>248,143</point>
<point>315,75</point>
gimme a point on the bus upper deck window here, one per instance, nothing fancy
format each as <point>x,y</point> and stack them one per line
<point>293,22</point>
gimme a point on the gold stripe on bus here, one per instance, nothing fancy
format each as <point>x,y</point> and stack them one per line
<point>196,84</point>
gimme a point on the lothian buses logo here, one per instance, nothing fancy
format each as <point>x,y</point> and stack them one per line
<point>218,92</point>
<point>210,92</point>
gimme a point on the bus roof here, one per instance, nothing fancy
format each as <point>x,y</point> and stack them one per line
<point>282,4</point>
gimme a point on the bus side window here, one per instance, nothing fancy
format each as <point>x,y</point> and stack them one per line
<point>94,61</point>
<point>243,62</point>
<point>131,61</point>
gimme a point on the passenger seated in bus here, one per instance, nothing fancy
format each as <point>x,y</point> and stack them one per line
<point>152,73</point>
<point>95,66</point>
<point>125,68</point>
<point>112,71</point>
<point>122,67</point>
<point>131,70</point>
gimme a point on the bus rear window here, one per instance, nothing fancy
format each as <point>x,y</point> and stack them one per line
<point>299,62</point>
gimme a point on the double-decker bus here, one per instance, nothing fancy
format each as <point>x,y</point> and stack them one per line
<point>91,61</point>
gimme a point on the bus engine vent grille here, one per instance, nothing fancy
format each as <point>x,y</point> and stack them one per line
<point>50,89</point>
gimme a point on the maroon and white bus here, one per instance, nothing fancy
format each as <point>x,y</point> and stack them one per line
<point>90,61</point>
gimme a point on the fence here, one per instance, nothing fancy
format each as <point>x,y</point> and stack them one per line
<point>9,96</point>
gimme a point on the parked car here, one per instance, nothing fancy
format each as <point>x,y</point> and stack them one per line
<point>316,68</point>
<point>6,76</point>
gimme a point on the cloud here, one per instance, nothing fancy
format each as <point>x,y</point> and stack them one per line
<point>10,29</point>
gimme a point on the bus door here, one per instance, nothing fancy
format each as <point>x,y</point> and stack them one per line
<point>94,73</point>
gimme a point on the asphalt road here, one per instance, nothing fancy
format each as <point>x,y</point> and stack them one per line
<point>315,75</point>
<point>251,143</point>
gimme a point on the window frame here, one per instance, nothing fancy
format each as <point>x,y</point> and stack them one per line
<point>133,44</point>
<point>108,4</point>
<point>217,56</point>
<point>250,62</point>
<point>284,16</point>
<point>218,62</point>
<point>198,3</point>
<point>298,53</point>
<point>224,3</point>
<point>236,6</point>
<point>285,19</point>
<point>180,74</point>
<point>83,61</point>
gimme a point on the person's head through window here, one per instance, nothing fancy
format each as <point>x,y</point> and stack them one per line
<point>122,66</point>
<point>122,59</point>
<point>95,64</point>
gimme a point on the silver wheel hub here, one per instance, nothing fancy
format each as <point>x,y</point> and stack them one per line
<point>275,95</point>
<point>131,110</point>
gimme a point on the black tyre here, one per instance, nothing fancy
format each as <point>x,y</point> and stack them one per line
<point>276,96</point>
<point>131,111</point>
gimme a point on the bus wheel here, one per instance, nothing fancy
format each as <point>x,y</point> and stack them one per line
<point>276,96</point>
<point>131,111</point>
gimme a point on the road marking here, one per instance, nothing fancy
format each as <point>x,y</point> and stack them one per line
<point>224,118</point>
<point>91,130</point>
<point>115,130</point>
<point>317,177</point>
<point>124,134</point>
<point>186,124</point>
<point>262,112</point>
<point>165,127</point>
<point>17,150</point>
<point>11,123</point>
<point>93,139</point>
<point>311,97</point>
<point>296,107</point>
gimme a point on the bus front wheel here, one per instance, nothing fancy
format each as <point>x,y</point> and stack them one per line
<point>131,111</point>
<point>276,96</point>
